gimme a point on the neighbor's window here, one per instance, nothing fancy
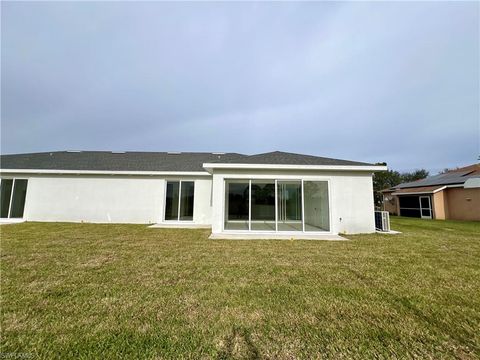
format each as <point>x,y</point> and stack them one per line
<point>12,197</point>
<point>179,200</point>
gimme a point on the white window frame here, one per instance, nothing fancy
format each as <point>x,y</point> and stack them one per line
<point>276,205</point>
<point>303,206</point>
<point>429,208</point>
<point>179,200</point>
<point>8,218</point>
<point>301,179</point>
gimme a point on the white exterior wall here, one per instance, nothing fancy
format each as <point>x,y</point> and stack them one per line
<point>353,201</point>
<point>141,199</point>
<point>351,196</point>
<point>107,199</point>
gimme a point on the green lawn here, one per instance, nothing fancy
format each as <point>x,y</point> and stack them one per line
<point>110,291</point>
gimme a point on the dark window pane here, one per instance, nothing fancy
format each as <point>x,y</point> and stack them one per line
<point>171,201</point>
<point>236,203</point>
<point>263,205</point>
<point>426,213</point>
<point>378,220</point>
<point>425,202</point>
<point>18,200</point>
<point>186,201</point>
<point>410,212</point>
<point>5,193</point>
<point>409,202</point>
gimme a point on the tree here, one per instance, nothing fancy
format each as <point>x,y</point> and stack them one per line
<point>414,175</point>
<point>384,180</point>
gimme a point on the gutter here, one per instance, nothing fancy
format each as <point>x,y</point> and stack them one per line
<point>429,192</point>
<point>105,172</point>
<point>211,166</point>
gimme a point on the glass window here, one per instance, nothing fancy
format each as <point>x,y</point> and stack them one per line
<point>316,206</point>
<point>186,200</point>
<point>236,205</point>
<point>179,200</point>
<point>263,205</point>
<point>5,194</point>
<point>289,203</point>
<point>171,201</point>
<point>18,199</point>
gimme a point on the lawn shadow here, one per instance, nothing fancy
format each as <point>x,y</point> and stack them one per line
<point>238,345</point>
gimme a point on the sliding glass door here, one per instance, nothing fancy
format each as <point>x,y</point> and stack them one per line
<point>237,195</point>
<point>289,204</point>
<point>187,189</point>
<point>263,205</point>
<point>277,205</point>
<point>171,200</point>
<point>316,206</point>
<point>179,200</point>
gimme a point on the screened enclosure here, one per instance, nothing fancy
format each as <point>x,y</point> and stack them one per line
<point>276,205</point>
<point>415,206</point>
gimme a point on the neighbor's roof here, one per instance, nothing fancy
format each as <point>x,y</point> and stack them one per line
<point>453,177</point>
<point>419,190</point>
<point>153,161</point>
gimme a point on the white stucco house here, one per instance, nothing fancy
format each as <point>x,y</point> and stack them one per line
<point>271,195</point>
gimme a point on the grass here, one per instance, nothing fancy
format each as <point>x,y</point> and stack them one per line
<point>126,291</point>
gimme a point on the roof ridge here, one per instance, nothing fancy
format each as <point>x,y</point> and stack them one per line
<point>297,154</point>
<point>122,151</point>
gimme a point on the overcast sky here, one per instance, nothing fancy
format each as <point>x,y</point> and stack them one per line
<point>394,82</point>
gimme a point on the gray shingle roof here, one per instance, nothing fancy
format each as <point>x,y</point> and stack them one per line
<point>108,161</point>
<point>285,158</point>
<point>153,161</point>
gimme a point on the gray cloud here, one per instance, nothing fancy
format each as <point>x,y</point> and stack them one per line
<point>395,82</point>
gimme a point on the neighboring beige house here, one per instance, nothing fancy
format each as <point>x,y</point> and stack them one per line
<point>452,195</point>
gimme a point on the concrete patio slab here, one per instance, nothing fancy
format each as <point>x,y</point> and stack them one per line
<point>11,221</point>
<point>391,232</point>
<point>276,237</point>
<point>180,226</point>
